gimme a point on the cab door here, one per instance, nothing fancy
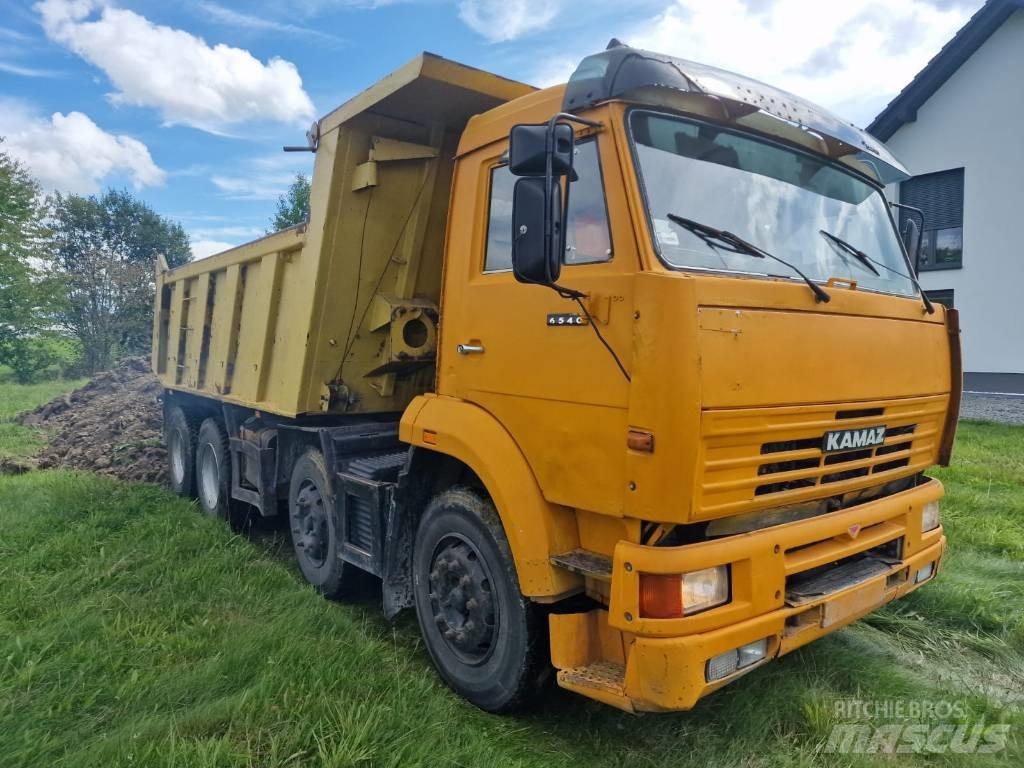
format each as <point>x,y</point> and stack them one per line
<point>521,352</point>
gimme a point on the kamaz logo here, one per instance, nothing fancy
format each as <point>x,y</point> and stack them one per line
<point>848,439</point>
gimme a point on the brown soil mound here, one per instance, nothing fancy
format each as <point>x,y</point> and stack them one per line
<point>112,425</point>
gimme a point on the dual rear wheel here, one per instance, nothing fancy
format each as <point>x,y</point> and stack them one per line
<point>199,462</point>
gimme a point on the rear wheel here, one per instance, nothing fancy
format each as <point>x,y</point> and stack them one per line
<point>180,440</point>
<point>486,639</point>
<point>213,470</point>
<point>315,538</point>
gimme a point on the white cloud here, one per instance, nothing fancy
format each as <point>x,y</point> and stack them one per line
<point>500,20</point>
<point>15,69</point>
<point>175,72</point>
<point>229,17</point>
<point>71,153</point>
<point>263,178</point>
<point>852,57</point>
<point>203,248</point>
<point>231,232</point>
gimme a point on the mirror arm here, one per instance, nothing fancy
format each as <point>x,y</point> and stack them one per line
<point>548,179</point>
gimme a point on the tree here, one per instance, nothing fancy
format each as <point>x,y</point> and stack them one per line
<point>103,255</point>
<point>24,293</point>
<point>293,205</point>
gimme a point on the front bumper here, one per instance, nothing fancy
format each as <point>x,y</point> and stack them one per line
<point>663,661</point>
<point>669,673</point>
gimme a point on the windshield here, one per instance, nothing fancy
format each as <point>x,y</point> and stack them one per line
<point>779,199</point>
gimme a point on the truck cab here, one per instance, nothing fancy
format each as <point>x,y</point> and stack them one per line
<point>694,440</point>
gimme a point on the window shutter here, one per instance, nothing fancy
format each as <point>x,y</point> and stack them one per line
<point>939,195</point>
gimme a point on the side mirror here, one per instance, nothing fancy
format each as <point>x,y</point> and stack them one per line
<point>912,241</point>
<point>536,248</point>
<point>527,149</point>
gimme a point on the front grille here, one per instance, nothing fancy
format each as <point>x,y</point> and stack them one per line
<point>744,470</point>
<point>899,440</point>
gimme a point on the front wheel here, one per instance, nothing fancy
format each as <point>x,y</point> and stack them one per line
<point>486,639</point>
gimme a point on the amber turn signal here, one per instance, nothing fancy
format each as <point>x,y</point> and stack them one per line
<point>660,596</point>
<point>684,594</point>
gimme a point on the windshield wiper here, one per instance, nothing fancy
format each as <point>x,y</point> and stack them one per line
<point>869,262</point>
<point>851,250</point>
<point>736,244</point>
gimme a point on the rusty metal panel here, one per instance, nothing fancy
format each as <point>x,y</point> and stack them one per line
<point>227,310</point>
<point>197,317</point>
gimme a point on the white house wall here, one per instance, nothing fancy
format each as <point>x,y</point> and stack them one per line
<point>976,121</point>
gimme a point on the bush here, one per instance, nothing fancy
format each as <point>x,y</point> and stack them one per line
<point>30,357</point>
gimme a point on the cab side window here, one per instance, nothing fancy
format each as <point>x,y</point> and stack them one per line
<point>499,224</point>
<point>588,240</point>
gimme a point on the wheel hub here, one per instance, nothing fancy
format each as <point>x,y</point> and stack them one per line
<point>312,534</point>
<point>461,600</point>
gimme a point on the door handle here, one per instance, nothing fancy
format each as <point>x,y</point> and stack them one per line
<point>471,349</point>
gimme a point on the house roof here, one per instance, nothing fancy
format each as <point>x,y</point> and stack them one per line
<point>903,109</point>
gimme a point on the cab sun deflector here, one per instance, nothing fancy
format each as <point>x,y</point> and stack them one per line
<point>640,76</point>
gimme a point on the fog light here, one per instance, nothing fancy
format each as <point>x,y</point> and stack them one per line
<point>725,664</point>
<point>930,517</point>
<point>664,597</point>
<point>751,653</point>
<point>722,665</point>
<point>923,574</point>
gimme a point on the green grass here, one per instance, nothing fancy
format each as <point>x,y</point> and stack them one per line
<point>134,631</point>
<point>16,440</point>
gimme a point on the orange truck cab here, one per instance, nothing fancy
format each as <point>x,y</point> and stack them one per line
<point>682,385</point>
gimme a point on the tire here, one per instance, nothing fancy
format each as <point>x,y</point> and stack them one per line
<point>315,538</point>
<point>180,441</point>
<point>487,641</point>
<point>213,470</point>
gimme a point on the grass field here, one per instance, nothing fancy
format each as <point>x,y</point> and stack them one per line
<point>133,631</point>
<point>16,440</point>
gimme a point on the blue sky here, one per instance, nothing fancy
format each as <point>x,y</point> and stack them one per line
<point>187,103</point>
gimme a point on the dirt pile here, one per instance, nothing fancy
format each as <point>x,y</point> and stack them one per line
<point>112,425</point>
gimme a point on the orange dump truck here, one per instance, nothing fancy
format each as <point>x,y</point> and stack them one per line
<point>630,377</point>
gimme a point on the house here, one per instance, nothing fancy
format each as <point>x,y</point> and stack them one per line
<point>959,128</point>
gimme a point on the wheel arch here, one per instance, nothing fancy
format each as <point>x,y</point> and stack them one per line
<point>463,432</point>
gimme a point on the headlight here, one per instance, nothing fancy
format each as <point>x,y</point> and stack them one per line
<point>663,597</point>
<point>930,517</point>
<point>705,589</point>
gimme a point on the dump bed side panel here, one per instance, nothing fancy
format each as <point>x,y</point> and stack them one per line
<point>217,321</point>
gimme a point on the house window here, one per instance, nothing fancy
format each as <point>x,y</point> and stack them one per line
<point>943,296</point>
<point>941,197</point>
<point>587,236</point>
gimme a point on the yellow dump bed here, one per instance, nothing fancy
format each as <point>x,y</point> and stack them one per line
<point>339,314</point>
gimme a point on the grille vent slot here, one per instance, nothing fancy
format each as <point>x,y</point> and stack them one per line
<point>833,461</point>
